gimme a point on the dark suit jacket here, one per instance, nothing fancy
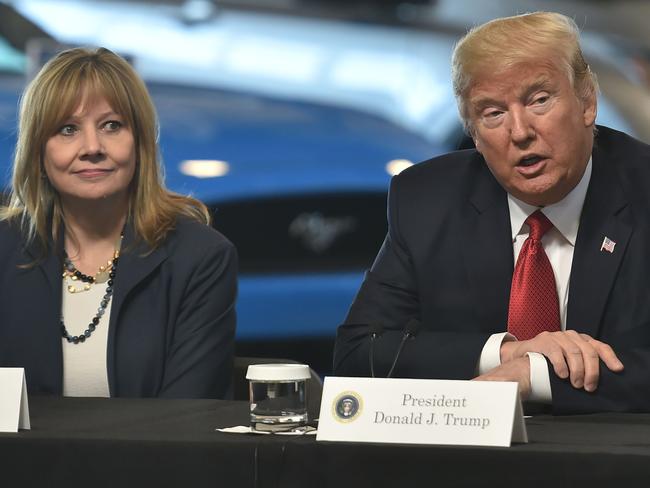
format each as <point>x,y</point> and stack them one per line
<point>448,260</point>
<point>172,322</point>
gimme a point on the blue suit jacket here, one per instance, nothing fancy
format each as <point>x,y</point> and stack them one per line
<point>172,323</point>
<point>448,260</point>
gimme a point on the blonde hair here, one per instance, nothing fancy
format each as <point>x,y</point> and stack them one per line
<point>47,102</point>
<point>503,43</point>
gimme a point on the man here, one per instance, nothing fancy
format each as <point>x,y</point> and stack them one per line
<point>567,202</point>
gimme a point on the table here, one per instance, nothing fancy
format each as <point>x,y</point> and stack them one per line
<point>94,443</point>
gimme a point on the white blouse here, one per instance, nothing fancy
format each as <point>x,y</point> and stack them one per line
<point>84,364</point>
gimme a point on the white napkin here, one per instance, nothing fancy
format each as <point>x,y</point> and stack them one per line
<point>241,429</point>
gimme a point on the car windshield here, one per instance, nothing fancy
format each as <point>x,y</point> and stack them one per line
<point>11,60</point>
<point>399,74</point>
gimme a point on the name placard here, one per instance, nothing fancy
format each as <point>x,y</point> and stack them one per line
<point>14,411</point>
<point>409,411</point>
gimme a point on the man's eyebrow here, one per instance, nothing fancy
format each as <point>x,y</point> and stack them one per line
<point>480,103</point>
<point>541,84</point>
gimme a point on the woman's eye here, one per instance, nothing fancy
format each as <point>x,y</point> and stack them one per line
<point>113,125</point>
<point>67,130</point>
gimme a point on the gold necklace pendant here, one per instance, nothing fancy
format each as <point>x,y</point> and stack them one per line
<point>74,289</point>
<point>101,276</point>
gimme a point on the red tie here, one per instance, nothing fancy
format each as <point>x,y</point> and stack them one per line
<point>533,297</point>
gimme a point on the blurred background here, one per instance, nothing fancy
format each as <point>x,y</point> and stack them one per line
<point>288,118</point>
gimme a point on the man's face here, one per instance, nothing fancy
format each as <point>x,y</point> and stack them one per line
<point>535,134</point>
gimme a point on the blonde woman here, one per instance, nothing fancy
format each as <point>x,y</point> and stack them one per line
<point>110,285</point>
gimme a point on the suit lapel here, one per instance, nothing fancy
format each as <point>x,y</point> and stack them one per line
<point>52,265</point>
<point>593,271</point>
<point>136,262</point>
<point>487,249</point>
<point>48,311</point>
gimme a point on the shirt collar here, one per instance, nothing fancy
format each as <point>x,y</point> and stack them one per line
<point>564,215</point>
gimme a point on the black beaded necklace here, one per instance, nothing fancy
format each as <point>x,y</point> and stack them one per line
<point>73,271</point>
<point>70,269</point>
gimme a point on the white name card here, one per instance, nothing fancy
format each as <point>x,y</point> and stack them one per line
<point>14,411</point>
<point>409,411</point>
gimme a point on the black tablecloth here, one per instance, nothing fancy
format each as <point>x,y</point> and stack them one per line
<point>77,442</point>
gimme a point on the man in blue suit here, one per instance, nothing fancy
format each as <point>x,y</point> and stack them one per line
<point>580,341</point>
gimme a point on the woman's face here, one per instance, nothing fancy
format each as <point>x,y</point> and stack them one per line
<point>92,154</point>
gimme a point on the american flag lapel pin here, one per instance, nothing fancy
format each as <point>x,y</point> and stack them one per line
<point>608,245</point>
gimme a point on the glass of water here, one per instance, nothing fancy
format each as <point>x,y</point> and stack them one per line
<point>278,396</point>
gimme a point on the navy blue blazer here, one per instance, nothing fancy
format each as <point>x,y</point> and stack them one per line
<point>447,260</point>
<point>172,322</point>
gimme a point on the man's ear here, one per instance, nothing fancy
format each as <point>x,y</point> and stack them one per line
<point>589,109</point>
<point>469,132</point>
<point>475,138</point>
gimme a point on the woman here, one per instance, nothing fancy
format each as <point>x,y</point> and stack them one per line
<point>110,285</point>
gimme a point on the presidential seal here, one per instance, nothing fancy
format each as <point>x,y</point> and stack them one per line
<point>347,406</point>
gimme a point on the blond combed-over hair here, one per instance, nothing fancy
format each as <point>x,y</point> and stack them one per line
<point>49,99</point>
<point>506,42</point>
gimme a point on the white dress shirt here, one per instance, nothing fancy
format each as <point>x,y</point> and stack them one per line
<point>558,243</point>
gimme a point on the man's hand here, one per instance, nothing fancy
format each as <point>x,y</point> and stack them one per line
<point>516,370</point>
<point>573,355</point>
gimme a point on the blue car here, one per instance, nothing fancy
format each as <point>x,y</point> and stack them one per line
<point>303,198</point>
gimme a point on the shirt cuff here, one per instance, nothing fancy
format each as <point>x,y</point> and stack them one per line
<point>491,354</point>
<point>540,383</point>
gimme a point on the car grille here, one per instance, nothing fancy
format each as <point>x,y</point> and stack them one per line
<point>327,232</point>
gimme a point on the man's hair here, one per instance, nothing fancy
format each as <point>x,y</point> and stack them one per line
<point>47,102</point>
<point>503,43</point>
